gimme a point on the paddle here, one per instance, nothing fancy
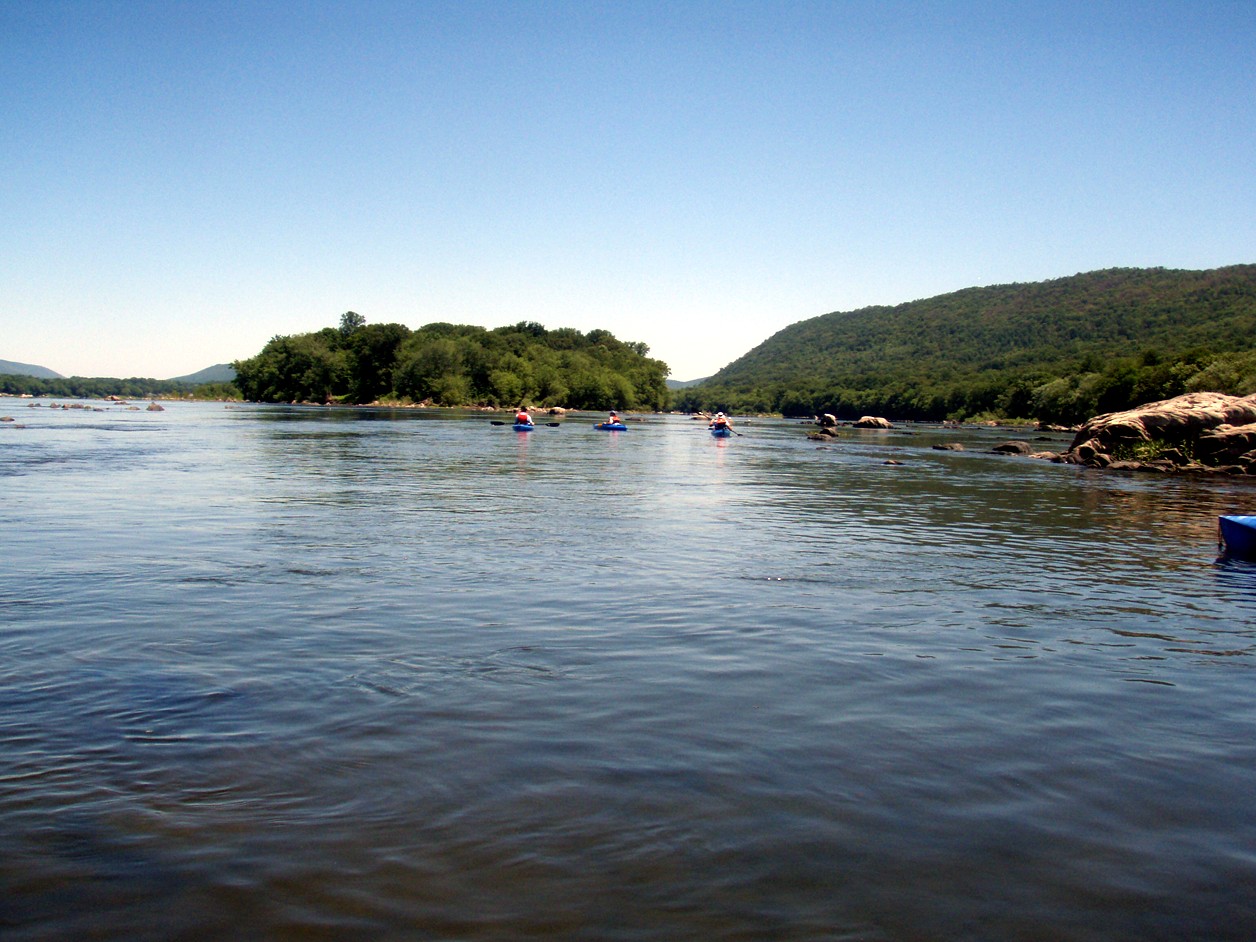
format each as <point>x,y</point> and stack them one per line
<point>729,427</point>
<point>500,422</point>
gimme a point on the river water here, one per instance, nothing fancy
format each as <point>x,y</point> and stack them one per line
<point>302,673</point>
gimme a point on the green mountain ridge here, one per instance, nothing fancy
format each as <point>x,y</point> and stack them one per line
<point>1058,350</point>
<point>214,382</point>
<point>219,373</point>
<point>12,368</point>
<point>685,383</point>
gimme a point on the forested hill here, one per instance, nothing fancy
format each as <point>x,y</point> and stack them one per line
<point>1058,350</point>
<point>10,368</point>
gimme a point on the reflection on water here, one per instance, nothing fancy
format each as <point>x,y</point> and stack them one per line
<point>294,672</point>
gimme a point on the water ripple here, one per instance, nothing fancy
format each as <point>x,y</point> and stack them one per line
<point>280,672</point>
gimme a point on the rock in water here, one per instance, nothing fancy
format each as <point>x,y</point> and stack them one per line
<point>1219,430</point>
<point>1012,448</point>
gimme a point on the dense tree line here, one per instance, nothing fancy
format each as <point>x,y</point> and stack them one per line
<point>1058,351</point>
<point>451,364</point>
<point>85,387</point>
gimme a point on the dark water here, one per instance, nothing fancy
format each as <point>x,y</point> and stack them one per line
<point>283,673</point>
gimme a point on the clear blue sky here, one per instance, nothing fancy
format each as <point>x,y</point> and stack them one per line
<point>182,180</point>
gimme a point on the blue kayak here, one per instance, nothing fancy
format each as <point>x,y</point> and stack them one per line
<point>520,427</point>
<point>1238,534</point>
<point>611,427</point>
<point>721,431</point>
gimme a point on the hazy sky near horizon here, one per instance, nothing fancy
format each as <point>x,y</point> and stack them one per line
<point>184,180</point>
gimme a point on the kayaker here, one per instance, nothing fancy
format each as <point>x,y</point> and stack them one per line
<point>614,419</point>
<point>522,417</point>
<point>721,421</point>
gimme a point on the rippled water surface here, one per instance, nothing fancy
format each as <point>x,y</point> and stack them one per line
<point>294,673</point>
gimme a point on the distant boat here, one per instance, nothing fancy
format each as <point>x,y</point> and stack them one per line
<point>1238,535</point>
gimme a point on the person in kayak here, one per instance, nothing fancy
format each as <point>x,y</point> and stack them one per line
<point>614,419</point>
<point>721,421</point>
<point>522,417</point>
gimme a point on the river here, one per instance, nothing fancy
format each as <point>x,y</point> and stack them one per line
<point>306,673</point>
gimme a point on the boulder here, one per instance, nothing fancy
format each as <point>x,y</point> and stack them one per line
<point>827,420</point>
<point>1226,444</point>
<point>154,407</point>
<point>873,421</point>
<point>949,446</point>
<point>1013,448</point>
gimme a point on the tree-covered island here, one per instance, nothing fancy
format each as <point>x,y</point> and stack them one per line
<point>455,365</point>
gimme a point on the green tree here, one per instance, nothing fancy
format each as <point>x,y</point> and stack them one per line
<point>350,321</point>
<point>372,356</point>
<point>298,368</point>
<point>425,367</point>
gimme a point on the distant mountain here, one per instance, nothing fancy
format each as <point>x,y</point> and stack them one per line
<point>221,373</point>
<point>684,383</point>
<point>9,368</point>
<point>1062,350</point>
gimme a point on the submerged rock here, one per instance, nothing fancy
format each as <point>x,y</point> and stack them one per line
<point>1013,448</point>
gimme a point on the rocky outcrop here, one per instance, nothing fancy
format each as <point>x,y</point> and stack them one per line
<point>1227,444</point>
<point>873,421</point>
<point>1174,420</point>
<point>1202,432</point>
